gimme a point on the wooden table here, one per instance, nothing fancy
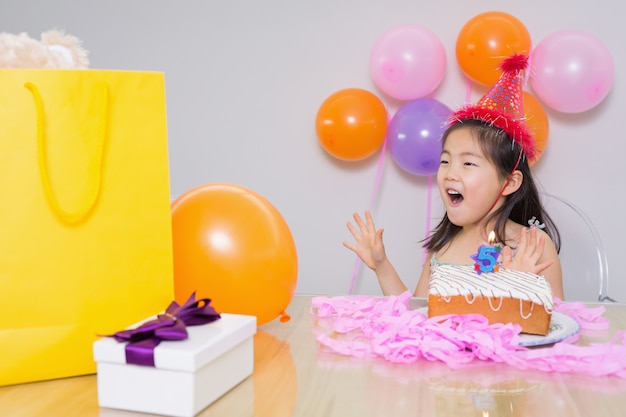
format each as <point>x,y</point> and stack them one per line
<point>293,378</point>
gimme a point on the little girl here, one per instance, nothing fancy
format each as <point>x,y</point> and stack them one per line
<point>486,185</point>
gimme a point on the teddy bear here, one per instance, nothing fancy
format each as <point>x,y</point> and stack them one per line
<point>55,50</point>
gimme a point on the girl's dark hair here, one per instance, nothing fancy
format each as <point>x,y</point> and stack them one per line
<point>519,207</point>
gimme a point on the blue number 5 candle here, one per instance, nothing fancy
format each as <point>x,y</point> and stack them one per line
<point>487,256</point>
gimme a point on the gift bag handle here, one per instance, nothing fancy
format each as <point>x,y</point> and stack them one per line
<point>70,217</point>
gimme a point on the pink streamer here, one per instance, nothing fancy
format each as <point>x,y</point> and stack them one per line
<point>588,318</point>
<point>385,327</point>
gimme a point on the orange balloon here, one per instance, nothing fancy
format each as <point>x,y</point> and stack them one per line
<point>485,41</point>
<point>232,245</point>
<point>351,124</point>
<point>537,122</point>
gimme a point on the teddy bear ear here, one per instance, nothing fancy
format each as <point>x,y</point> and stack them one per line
<point>67,48</point>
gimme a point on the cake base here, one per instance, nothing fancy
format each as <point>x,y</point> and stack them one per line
<point>533,318</point>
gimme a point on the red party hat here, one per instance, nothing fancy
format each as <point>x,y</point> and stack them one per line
<point>503,105</point>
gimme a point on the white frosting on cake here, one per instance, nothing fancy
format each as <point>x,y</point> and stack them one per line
<point>453,280</point>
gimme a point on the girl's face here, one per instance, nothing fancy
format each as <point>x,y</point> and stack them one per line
<point>468,182</point>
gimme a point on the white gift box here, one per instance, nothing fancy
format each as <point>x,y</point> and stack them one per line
<point>188,375</point>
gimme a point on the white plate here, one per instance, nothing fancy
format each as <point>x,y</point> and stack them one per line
<point>561,327</point>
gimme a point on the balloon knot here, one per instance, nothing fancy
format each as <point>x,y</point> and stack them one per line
<point>284,317</point>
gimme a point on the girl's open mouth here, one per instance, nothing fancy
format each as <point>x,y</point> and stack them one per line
<point>455,196</point>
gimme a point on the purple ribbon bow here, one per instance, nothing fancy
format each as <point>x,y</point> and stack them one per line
<point>170,325</point>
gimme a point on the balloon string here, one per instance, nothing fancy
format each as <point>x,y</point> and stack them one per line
<point>429,202</point>
<point>379,171</point>
<point>468,91</point>
<point>355,272</point>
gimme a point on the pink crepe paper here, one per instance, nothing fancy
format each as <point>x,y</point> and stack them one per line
<point>385,327</point>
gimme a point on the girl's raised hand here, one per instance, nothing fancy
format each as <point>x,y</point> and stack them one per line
<point>369,241</point>
<point>528,254</point>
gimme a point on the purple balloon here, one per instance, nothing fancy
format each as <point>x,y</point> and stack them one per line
<point>414,135</point>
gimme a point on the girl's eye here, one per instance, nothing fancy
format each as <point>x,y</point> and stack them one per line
<point>469,164</point>
<point>443,162</point>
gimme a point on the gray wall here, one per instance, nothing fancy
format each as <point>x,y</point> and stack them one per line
<point>246,78</point>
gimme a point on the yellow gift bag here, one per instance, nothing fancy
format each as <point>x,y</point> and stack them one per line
<point>85,218</point>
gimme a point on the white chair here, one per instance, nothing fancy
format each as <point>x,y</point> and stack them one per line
<point>583,260</point>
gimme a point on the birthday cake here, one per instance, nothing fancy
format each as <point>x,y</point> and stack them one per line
<point>505,296</point>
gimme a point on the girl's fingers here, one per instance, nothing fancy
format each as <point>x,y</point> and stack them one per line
<point>358,220</point>
<point>533,239</point>
<point>349,246</point>
<point>365,226</point>
<point>353,231</point>
<point>540,245</point>
<point>369,220</point>
<point>536,246</point>
<point>528,243</point>
<point>542,267</point>
<point>522,241</point>
<point>507,255</point>
<point>367,231</point>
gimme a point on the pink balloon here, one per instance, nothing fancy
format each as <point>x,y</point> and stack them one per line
<point>572,71</point>
<point>408,62</point>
